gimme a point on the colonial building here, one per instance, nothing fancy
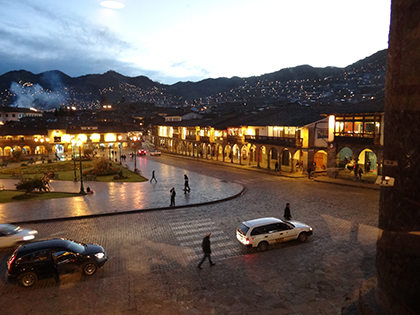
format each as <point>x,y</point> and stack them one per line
<point>291,136</point>
<point>355,138</point>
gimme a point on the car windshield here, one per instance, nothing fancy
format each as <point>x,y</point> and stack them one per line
<point>243,228</point>
<point>290,224</point>
<point>76,247</point>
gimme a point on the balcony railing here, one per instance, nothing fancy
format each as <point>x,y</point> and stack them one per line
<point>356,140</point>
<point>235,139</point>
<point>282,141</point>
<point>193,138</point>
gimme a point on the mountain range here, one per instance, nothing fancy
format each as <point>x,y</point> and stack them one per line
<point>356,82</point>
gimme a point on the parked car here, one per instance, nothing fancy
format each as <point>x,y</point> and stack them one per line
<point>155,152</point>
<point>37,260</point>
<point>11,235</point>
<point>265,231</point>
<point>141,152</point>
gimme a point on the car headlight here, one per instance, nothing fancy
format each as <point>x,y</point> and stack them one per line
<point>32,232</point>
<point>310,229</point>
<point>28,237</point>
<point>100,255</point>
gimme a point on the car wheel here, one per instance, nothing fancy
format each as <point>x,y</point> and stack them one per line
<point>27,279</point>
<point>89,268</point>
<point>263,246</point>
<point>303,237</point>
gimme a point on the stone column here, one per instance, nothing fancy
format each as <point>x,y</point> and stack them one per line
<point>398,248</point>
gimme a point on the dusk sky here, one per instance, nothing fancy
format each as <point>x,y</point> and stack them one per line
<point>186,40</point>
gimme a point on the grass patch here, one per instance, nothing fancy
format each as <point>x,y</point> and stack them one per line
<point>14,195</point>
<point>65,171</point>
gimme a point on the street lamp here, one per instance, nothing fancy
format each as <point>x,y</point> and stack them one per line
<point>73,143</point>
<point>82,190</point>
<point>120,146</point>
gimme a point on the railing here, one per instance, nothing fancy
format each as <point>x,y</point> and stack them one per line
<point>235,139</point>
<point>282,141</point>
<point>205,139</point>
<point>354,140</point>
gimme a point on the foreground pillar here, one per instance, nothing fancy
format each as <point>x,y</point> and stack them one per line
<point>398,248</point>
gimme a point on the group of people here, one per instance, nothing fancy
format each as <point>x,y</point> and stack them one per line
<point>172,192</point>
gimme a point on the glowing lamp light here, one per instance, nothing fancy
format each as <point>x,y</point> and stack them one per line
<point>112,4</point>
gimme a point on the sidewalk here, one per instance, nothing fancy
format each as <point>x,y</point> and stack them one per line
<point>319,176</point>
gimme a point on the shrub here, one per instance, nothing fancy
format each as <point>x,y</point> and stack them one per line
<point>30,185</point>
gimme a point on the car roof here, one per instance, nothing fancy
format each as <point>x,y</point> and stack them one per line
<point>261,221</point>
<point>55,242</point>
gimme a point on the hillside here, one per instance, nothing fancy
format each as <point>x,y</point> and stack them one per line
<point>365,78</point>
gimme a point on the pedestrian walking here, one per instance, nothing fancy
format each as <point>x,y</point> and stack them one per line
<point>153,176</point>
<point>276,167</point>
<point>186,185</point>
<point>206,250</point>
<point>309,172</point>
<point>287,215</point>
<point>360,173</point>
<point>173,194</point>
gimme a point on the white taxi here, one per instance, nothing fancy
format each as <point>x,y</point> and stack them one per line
<point>11,235</point>
<point>265,231</point>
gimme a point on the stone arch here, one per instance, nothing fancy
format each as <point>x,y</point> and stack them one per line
<point>236,154</point>
<point>7,151</point>
<point>297,161</point>
<point>320,160</point>
<point>41,150</point>
<point>209,151</point>
<point>244,153</point>
<point>227,153</point>
<point>344,156</point>
<point>368,161</point>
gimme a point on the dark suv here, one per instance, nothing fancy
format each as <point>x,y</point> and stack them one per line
<point>45,258</point>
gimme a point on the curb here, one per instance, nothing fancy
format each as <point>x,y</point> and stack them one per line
<point>132,211</point>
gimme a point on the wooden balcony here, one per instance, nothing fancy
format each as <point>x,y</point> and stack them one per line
<point>369,141</point>
<point>235,139</point>
<point>280,141</point>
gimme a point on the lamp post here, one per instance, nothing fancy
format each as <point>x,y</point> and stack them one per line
<point>119,147</point>
<point>73,142</point>
<point>82,190</point>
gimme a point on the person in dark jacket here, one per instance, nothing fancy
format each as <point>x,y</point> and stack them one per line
<point>186,185</point>
<point>173,194</point>
<point>206,251</point>
<point>287,215</point>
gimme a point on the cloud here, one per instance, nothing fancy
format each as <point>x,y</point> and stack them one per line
<point>54,42</point>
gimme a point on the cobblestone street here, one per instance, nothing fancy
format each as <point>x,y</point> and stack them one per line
<point>153,255</point>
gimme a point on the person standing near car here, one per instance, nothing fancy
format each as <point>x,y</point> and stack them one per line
<point>287,215</point>
<point>55,266</point>
<point>206,250</point>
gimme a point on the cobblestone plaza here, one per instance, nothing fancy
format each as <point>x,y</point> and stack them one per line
<point>153,254</point>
